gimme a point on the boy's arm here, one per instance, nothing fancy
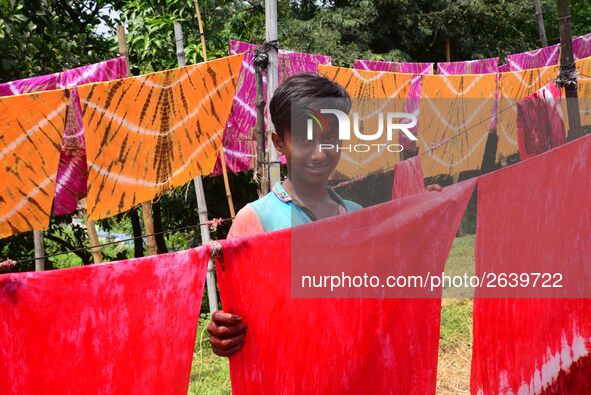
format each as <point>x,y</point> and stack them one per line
<point>246,223</point>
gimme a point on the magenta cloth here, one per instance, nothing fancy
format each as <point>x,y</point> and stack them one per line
<point>533,218</point>
<point>582,46</point>
<point>543,57</point>
<point>394,67</point>
<point>239,143</point>
<point>408,178</point>
<point>504,68</point>
<point>30,85</point>
<point>540,123</point>
<point>117,328</point>
<point>71,174</point>
<point>413,102</point>
<point>480,66</point>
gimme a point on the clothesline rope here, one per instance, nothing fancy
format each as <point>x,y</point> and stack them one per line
<point>120,241</point>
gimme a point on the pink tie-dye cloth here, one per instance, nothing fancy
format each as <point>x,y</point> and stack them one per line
<point>239,143</point>
<point>71,173</point>
<point>413,102</point>
<point>540,124</point>
<point>582,46</point>
<point>542,57</point>
<point>480,66</point>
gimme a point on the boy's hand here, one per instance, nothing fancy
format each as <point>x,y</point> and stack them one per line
<point>227,332</point>
<point>434,188</point>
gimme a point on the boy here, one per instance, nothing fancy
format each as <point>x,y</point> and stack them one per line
<point>304,196</point>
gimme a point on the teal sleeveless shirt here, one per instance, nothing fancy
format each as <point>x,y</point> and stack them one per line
<point>277,210</point>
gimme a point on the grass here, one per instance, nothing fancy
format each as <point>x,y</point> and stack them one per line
<point>455,344</point>
<point>459,262</point>
<point>455,347</point>
<point>210,374</point>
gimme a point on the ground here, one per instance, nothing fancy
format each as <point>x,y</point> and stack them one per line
<point>210,374</point>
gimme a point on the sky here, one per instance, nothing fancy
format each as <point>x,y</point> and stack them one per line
<point>103,29</point>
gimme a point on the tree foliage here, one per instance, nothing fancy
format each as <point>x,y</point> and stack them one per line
<point>44,36</point>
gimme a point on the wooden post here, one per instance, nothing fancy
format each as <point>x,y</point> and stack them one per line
<point>540,19</point>
<point>272,83</point>
<point>222,154</point>
<point>138,243</point>
<point>39,250</point>
<point>90,225</point>
<point>123,46</point>
<point>146,206</point>
<point>447,50</point>
<point>199,191</point>
<point>97,255</point>
<point>455,178</point>
<point>262,168</point>
<point>201,33</point>
<point>567,77</point>
<point>148,215</point>
<point>93,240</point>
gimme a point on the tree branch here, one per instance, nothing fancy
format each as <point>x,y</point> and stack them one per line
<point>82,254</point>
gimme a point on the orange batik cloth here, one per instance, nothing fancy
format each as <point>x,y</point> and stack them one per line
<point>149,134</point>
<point>454,121</point>
<point>31,128</point>
<point>584,90</point>
<point>374,93</point>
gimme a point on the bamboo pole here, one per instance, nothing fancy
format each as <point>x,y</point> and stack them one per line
<point>262,165</point>
<point>146,206</point>
<point>272,83</point>
<point>97,255</point>
<point>447,50</point>
<point>222,154</point>
<point>455,179</point>
<point>148,215</point>
<point>93,239</point>
<point>199,191</point>
<point>568,71</point>
<point>90,225</point>
<point>39,250</point>
<point>540,19</point>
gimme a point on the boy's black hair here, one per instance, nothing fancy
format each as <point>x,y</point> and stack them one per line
<point>301,89</point>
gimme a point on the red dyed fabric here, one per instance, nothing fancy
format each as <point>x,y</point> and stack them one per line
<point>531,219</point>
<point>119,328</point>
<point>540,125</point>
<point>408,178</point>
<point>331,345</point>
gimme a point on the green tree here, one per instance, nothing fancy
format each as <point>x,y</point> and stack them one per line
<point>39,37</point>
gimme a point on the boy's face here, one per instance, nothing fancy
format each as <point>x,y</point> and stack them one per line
<point>310,161</point>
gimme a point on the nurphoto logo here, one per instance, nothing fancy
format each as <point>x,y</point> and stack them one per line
<point>392,124</point>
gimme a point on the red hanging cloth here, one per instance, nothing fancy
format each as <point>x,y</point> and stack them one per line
<point>408,178</point>
<point>302,340</point>
<point>534,217</point>
<point>118,328</point>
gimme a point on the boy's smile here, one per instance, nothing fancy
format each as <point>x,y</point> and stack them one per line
<point>305,160</point>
